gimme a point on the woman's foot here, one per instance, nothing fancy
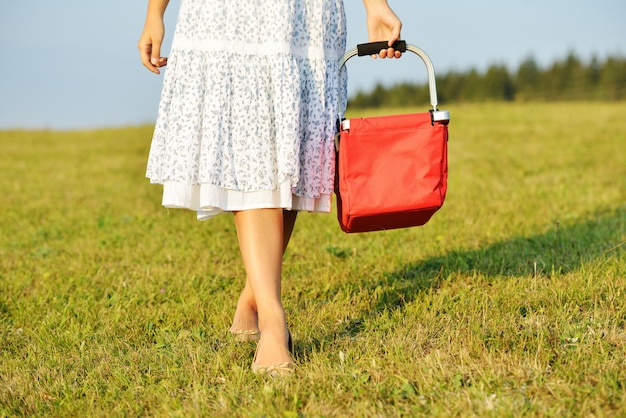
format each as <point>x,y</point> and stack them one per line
<point>245,322</point>
<point>274,353</point>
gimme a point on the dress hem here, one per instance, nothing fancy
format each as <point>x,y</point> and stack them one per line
<point>208,200</point>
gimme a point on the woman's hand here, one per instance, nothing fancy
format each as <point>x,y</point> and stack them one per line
<point>152,37</point>
<point>383,25</point>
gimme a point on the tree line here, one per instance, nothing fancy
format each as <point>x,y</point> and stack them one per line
<point>567,79</point>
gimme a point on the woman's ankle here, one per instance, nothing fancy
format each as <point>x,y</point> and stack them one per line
<point>273,319</point>
<point>246,317</point>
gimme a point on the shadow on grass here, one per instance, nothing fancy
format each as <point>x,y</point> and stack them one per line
<point>560,250</point>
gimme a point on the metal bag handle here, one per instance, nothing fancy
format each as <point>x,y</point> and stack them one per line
<point>373,48</point>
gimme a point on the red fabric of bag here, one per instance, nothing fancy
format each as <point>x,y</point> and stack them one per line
<point>392,172</point>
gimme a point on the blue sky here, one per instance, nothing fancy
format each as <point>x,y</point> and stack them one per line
<point>73,64</point>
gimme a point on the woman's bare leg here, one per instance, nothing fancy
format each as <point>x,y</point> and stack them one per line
<point>261,241</point>
<point>246,313</point>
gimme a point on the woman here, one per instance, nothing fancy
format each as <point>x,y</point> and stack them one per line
<point>246,125</point>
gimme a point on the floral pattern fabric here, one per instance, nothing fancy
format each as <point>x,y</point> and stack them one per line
<point>250,98</point>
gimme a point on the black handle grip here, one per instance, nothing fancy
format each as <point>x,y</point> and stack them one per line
<point>374,48</point>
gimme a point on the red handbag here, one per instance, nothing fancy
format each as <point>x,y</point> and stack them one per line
<point>392,171</point>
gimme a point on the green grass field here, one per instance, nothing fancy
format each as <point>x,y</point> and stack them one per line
<point>510,302</point>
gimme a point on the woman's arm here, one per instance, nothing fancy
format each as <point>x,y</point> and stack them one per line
<point>383,25</point>
<point>152,36</point>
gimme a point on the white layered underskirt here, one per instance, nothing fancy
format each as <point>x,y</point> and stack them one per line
<point>208,200</point>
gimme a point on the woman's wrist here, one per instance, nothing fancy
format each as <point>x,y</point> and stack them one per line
<point>156,8</point>
<point>371,4</point>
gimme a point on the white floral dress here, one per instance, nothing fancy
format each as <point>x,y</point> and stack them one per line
<point>247,113</point>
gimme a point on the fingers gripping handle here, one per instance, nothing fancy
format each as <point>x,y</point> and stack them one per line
<point>374,48</point>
